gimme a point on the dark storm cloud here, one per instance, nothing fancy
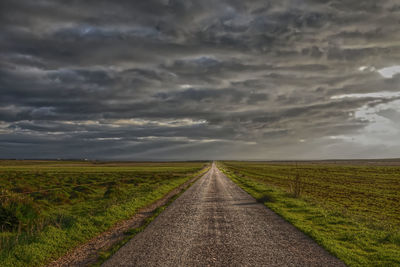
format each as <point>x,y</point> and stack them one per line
<point>183,79</point>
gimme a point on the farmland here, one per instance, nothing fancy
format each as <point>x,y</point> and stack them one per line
<point>350,209</point>
<point>49,207</point>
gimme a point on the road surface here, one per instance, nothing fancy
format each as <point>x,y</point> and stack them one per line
<point>216,223</point>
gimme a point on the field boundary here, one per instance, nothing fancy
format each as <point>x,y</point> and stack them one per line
<point>89,253</point>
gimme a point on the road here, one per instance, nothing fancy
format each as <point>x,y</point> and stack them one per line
<point>216,223</point>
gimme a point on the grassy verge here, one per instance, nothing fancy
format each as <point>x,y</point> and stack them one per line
<point>350,231</point>
<point>72,202</point>
<point>105,255</point>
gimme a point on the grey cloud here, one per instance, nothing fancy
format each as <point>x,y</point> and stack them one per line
<point>182,79</point>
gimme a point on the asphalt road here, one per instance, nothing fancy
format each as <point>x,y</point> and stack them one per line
<point>216,223</point>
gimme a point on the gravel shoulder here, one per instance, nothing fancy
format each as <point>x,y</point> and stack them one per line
<point>216,223</point>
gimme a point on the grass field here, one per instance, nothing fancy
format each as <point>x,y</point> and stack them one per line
<point>353,210</point>
<point>49,207</point>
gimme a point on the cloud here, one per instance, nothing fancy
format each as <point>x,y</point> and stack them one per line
<point>174,79</point>
<point>389,72</point>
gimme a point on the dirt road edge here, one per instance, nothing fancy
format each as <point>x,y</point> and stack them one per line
<point>89,253</point>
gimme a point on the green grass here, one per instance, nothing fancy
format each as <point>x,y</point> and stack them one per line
<point>352,211</point>
<point>74,201</point>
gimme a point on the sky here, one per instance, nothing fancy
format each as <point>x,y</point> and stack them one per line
<point>205,79</point>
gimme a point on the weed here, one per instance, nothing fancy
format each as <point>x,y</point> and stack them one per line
<point>296,186</point>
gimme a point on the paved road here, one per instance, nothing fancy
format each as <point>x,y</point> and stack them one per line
<point>215,223</point>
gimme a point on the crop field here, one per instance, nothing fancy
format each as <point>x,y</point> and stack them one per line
<point>353,210</point>
<point>49,207</point>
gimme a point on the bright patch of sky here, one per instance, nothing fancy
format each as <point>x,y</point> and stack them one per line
<point>372,95</point>
<point>367,68</point>
<point>389,72</point>
<point>383,125</point>
<point>159,123</point>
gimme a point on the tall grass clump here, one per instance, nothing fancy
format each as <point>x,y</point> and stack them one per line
<point>17,211</point>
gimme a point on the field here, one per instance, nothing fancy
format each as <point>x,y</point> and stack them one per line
<point>49,207</point>
<point>350,208</point>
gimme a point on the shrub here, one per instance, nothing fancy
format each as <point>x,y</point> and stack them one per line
<point>8,220</point>
<point>296,186</point>
<point>16,210</point>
